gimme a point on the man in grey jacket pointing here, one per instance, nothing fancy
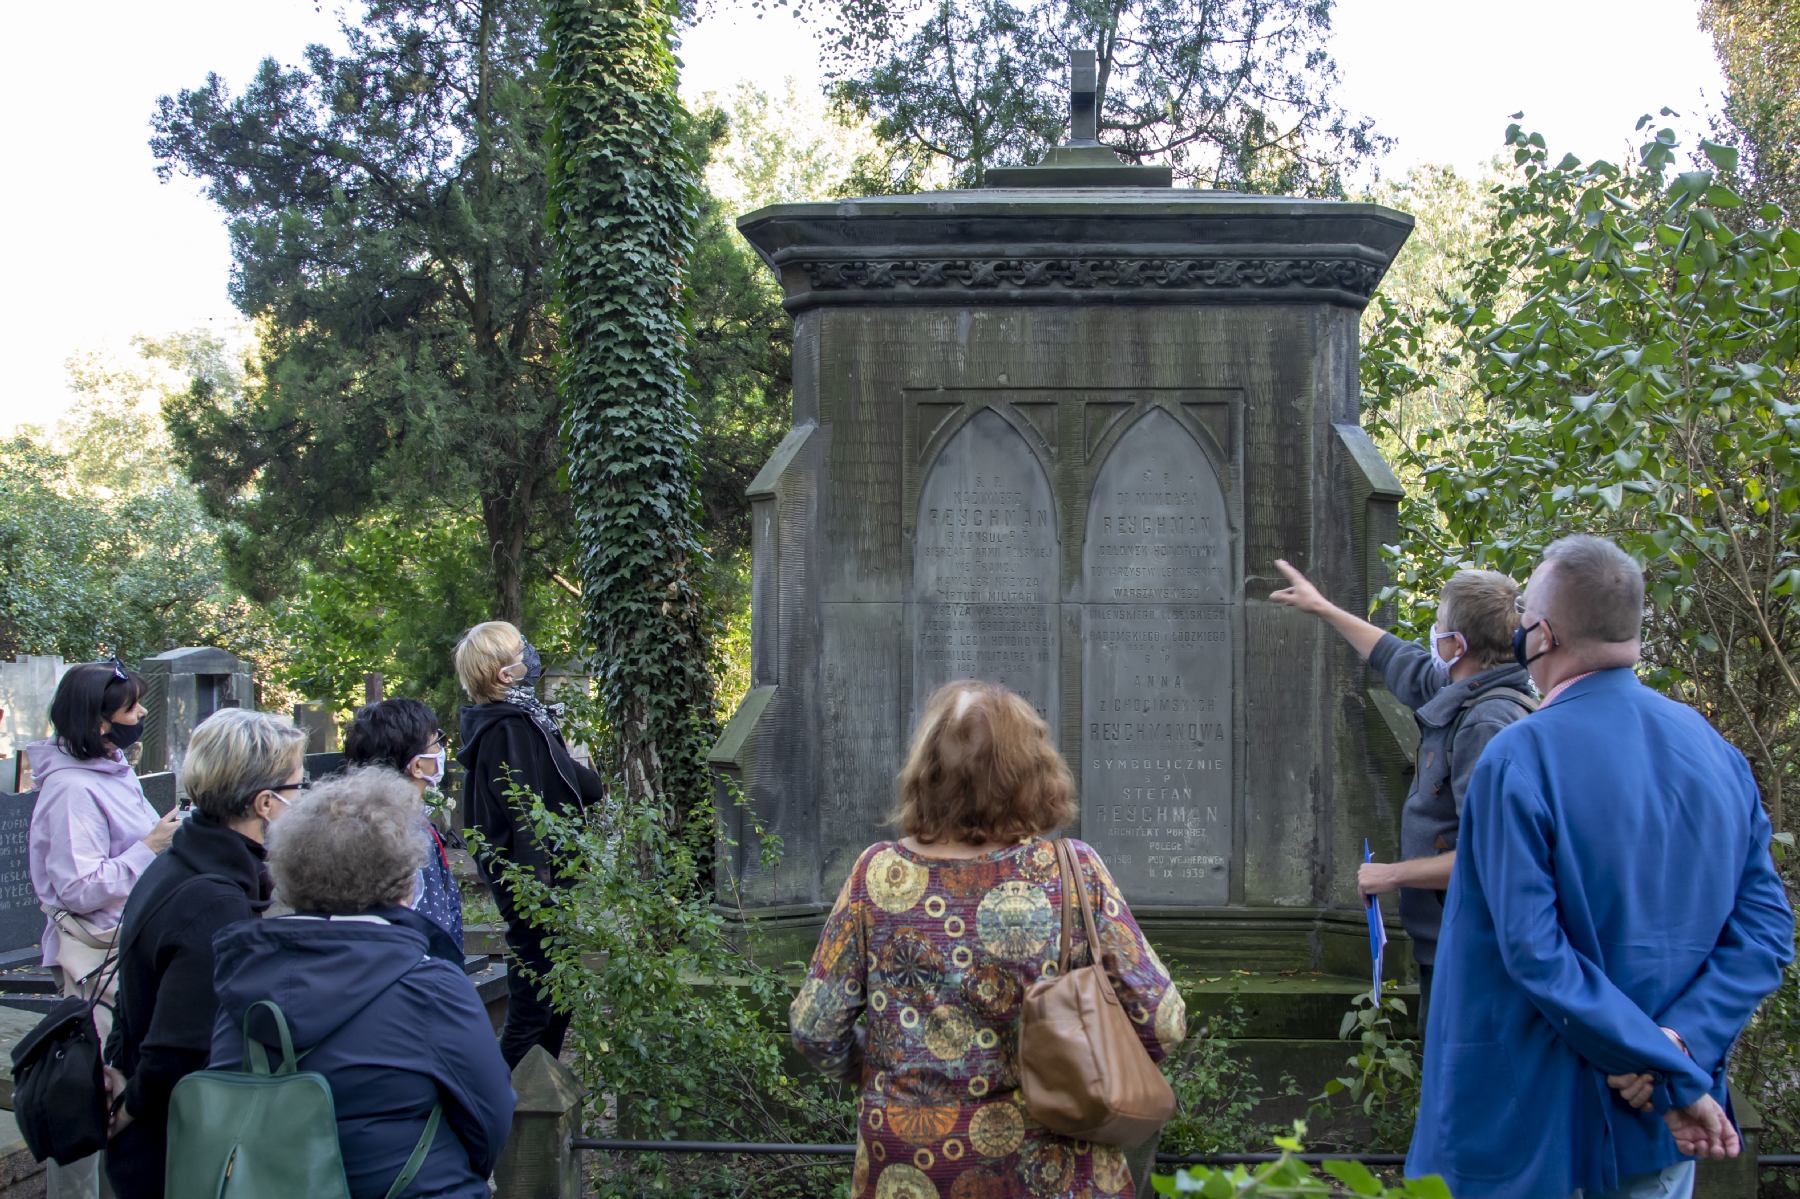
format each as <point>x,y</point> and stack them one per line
<point>1463,688</point>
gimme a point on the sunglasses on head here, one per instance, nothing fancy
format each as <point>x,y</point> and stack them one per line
<point>118,667</point>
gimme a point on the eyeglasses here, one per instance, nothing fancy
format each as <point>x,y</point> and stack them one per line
<point>118,667</point>
<point>439,740</point>
<point>305,784</point>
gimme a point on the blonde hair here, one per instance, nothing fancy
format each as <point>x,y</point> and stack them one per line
<point>982,769</point>
<point>1482,605</point>
<point>351,844</point>
<point>481,654</point>
<point>234,756</point>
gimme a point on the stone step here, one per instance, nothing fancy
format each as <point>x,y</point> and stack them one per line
<point>1285,1005</point>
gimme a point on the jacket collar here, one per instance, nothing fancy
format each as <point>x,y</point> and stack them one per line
<point>205,846</point>
<point>438,943</point>
<point>1596,682</point>
<point>1442,708</point>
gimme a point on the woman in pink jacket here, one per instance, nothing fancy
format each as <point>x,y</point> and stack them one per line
<point>92,831</point>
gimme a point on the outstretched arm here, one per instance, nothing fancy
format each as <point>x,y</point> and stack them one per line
<point>1301,594</point>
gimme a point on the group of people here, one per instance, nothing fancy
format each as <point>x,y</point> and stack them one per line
<point>169,919</point>
<point>1586,880</point>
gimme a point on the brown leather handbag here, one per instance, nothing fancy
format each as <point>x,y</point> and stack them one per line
<point>1083,1072</point>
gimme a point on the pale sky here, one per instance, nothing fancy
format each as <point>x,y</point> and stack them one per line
<point>99,250</point>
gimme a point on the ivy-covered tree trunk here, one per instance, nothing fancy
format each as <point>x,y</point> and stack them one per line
<point>623,198</point>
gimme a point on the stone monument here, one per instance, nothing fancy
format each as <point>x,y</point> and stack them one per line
<point>185,686</point>
<point>1053,433</point>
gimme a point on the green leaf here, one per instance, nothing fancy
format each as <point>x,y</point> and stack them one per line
<point>1354,1175</point>
<point>1723,157</point>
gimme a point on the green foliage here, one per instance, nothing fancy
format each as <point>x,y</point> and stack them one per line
<point>1762,1062</point>
<point>1216,1089</point>
<point>1642,386</point>
<point>1233,95</point>
<point>1289,1175</point>
<point>1382,1086</point>
<point>1758,45</point>
<point>396,597</point>
<point>623,199</point>
<point>385,210</point>
<point>106,546</point>
<point>739,354</point>
<point>677,1031</point>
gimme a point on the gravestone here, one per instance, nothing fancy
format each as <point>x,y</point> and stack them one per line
<point>184,687</point>
<point>21,921</point>
<point>1054,434</point>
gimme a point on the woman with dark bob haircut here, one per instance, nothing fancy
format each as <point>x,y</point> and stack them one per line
<point>93,835</point>
<point>403,735</point>
<point>915,988</point>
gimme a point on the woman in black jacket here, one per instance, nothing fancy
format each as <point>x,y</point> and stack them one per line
<point>241,771</point>
<point>509,738</point>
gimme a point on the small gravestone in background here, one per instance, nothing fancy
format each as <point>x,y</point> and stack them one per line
<point>185,686</point>
<point>320,725</point>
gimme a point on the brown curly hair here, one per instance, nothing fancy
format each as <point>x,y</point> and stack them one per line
<point>982,770</point>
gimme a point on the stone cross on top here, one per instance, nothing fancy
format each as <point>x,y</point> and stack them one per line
<point>1081,161</point>
<point>1084,99</point>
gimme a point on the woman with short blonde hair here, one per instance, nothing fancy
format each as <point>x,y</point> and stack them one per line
<point>512,750</point>
<point>242,770</point>
<point>915,989</point>
<point>490,659</point>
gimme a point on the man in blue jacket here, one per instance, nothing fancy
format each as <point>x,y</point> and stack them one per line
<point>1614,913</point>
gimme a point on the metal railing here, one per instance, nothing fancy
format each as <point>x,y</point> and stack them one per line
<point>768,1148</point>
<point>765,1148</point>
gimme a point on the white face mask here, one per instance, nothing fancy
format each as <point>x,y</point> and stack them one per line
<point>1441,664</point>
<point>436,775</point>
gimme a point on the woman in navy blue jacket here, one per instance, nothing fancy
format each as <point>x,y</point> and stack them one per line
<point>394,1030</point>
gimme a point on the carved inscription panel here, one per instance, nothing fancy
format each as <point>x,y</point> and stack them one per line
<point>986,560</point>
<point>20,920</point>
<point>1157,655</point>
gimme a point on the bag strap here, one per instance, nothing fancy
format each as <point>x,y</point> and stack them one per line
<point>414,1163</point>
<point>256,1054</point>
<point>1528,702</point>
<point>1071,873</point>
<point>116,958</point>
<point>1068,913</point>
<point>80,930</point>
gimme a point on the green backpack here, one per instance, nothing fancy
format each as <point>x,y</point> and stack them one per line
<point>262,1133</point>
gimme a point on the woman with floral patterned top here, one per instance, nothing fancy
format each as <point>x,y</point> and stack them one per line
<point>916,985</point>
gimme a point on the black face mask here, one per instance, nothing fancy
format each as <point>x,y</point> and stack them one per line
<point>124,736</point>
<point>534,666</point>
<point>1519,635</point>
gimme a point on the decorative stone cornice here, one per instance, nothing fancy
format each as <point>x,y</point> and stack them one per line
<point>1076,246</point>
<point>1084,273</point>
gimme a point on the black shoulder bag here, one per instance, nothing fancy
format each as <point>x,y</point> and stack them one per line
<point>59,1093</point>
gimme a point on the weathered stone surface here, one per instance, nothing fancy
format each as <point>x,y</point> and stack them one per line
<point>1057,439</point>
<point>987,568</point>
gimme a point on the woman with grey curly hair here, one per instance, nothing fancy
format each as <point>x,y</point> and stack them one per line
<point>398,1034</point>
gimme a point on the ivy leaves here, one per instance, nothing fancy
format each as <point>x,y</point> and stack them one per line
<point>623,199</point>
